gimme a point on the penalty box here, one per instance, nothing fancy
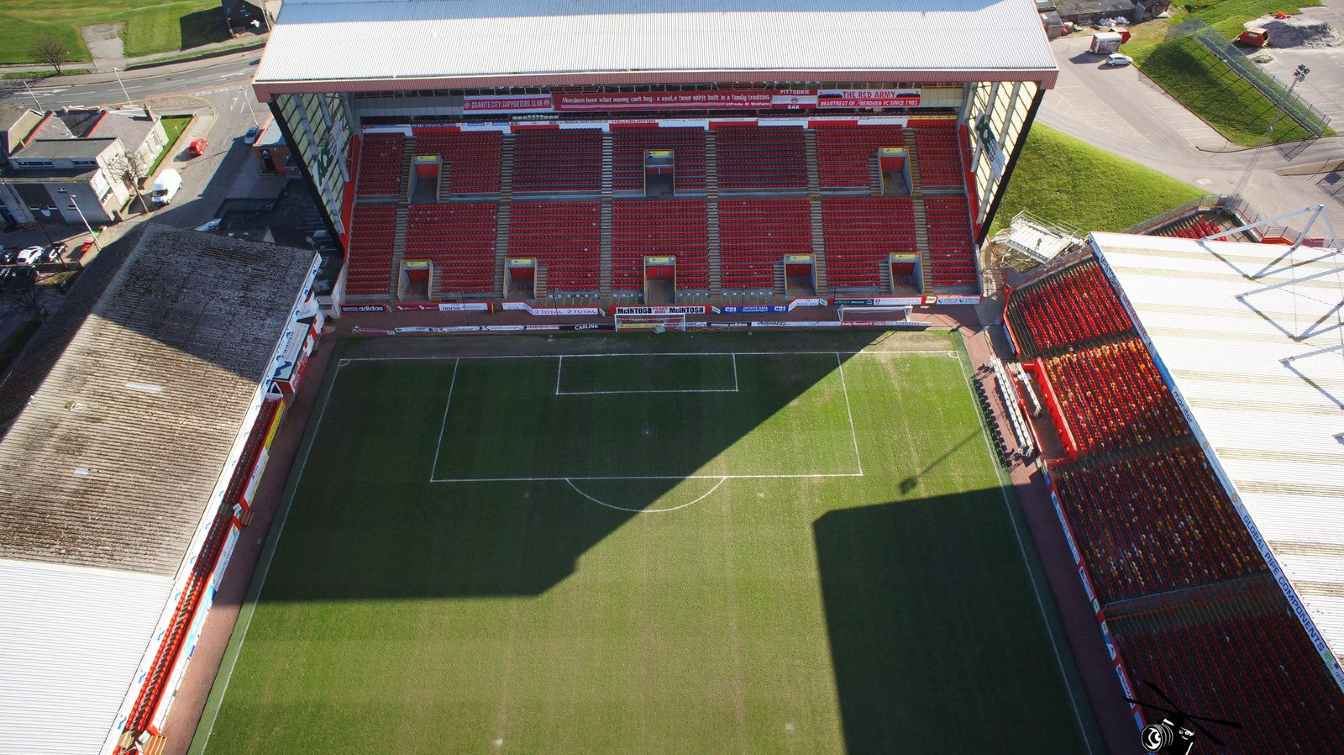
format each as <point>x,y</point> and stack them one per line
<point>650,416</point>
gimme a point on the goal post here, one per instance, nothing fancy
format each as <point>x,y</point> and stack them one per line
<point>661,323</point>
<point>870,314</point>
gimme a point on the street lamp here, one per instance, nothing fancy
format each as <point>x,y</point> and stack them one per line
<point>1299,75</point>
<point>87,227</point>
<point>117,71</point>
<point>30,94</point>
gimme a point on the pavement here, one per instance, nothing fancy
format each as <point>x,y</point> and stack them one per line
<point>1120,110</point>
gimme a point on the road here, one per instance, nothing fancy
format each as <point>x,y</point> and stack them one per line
<point>1120,110</point>
<point>229,72</point>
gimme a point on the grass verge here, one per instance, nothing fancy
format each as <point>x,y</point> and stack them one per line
<point>151,25</point>
<point>1066,180</point>
<point>173,126</point>
<point>1199,81</point>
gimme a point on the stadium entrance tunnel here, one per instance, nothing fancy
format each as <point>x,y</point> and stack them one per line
<point>472,474</point>
<point>937,642</point>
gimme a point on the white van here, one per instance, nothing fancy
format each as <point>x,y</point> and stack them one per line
<point>166,187</point>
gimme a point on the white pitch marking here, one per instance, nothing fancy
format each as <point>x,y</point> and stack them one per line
<point>853,434</point>
<point>803,476</point>
<point>647,390</point>
<point>445,357</point>
<point>646,511</point>
<point>444,424</point>
<point>1022,549</point>
<point>559,392</point>
<point>559,368</point>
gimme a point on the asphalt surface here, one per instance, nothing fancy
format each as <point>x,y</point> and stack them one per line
<point>229,72</point>
<point>1120,110</point>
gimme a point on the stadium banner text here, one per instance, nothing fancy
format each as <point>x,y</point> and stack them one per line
<point>681,309</point>
<point>728,99</point>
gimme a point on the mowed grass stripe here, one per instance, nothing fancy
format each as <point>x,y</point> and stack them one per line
<point>787,417</point>
<point>883,613</point>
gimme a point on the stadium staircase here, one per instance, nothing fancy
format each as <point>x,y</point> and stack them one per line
<point>504,212</point>
<point>922,241</point>
<point>712,214</point>
<point>443,189</point>
<point>604,263</point>
<point>921,218</point>
<point>398,249</point>
<point>814,197</point>
<point>407,160</point>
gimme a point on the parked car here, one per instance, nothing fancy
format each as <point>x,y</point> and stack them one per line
<point>165,187</point>
<point>1117,60</point>
<point>31,255</point>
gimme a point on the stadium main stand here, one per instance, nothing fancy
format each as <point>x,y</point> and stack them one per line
<point>659,227</point>
<point>861,233</point>
<point>564,237</point>
<point>459,238</point>
<point>846,155</point>
<point>751,157</point>
<point>557,160</point>
<point>757,234</point>
<point>471,159</point>
<point>630,143</point>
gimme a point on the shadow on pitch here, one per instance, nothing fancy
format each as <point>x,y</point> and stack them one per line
<point>365,525</point>
<point>936,641</point>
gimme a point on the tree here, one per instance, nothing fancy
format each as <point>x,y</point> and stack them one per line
<point>52,50</point>
<point>130,169</point>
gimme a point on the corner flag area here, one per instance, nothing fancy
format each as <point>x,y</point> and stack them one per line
<point>648,544</point>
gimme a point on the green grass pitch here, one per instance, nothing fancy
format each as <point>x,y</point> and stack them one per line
<point>681,544</point>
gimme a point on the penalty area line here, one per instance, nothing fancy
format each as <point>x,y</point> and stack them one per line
<point>568,478</point>
<point>633,510</point>
<point>443,425</point>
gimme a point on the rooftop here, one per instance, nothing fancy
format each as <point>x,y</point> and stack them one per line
<point>131,126</point>
<point>342,45</point>
<point>65,149</point>
<point>113,461</point>
<point>1251,338</point>
<point>113,464</point>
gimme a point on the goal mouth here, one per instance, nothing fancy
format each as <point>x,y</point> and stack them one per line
<point>650,323</point>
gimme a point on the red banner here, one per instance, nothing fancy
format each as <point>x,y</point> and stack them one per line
<point>867,98</point>
<point>708,100</point>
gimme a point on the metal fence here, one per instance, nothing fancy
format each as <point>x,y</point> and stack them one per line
<point>1280,94</point>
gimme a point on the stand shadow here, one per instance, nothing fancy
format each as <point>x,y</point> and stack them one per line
<point>366,512</point>
<point>936,639</point>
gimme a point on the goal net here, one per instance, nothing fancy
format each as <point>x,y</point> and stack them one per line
<point>650,323</point>
<point>881,315</point>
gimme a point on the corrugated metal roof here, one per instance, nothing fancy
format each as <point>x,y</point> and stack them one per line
<point>114,459</point>
<point>329,40</point>
<point>70,641</point>
<point>1254,342</point>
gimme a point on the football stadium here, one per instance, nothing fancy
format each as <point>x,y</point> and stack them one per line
<point>665,402</point>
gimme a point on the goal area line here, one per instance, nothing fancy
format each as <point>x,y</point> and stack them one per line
<point>560,369</point>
